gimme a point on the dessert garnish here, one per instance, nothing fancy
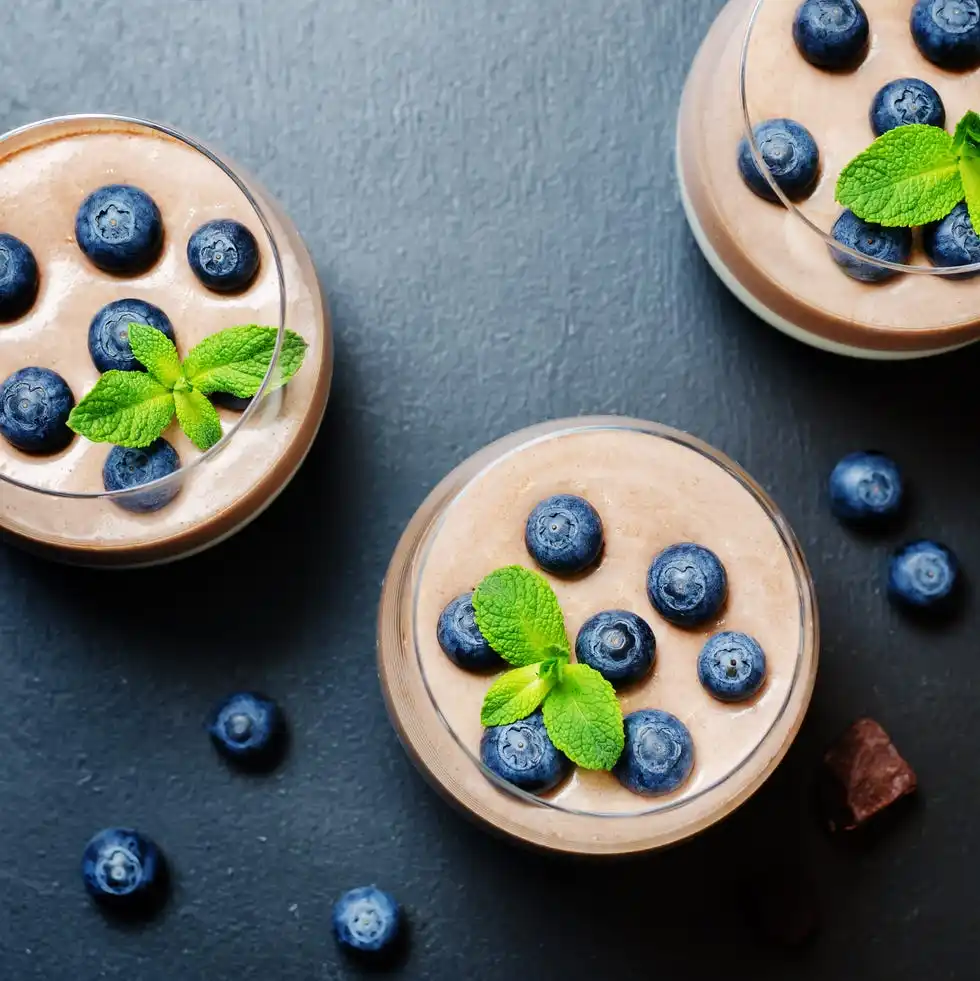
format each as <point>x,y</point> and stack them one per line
<point>518,613</point>
<point>132,408</point>
<point>732,666</point>
<point>659,753</point>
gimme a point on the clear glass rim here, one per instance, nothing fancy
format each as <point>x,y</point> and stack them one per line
<point>176,479</point>
<point>829,241</point>
<point>804,587</point>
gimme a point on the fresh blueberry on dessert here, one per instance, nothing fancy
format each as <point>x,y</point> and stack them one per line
<point>687,584</point>
<point>18,278</point>
<point>947,32</point>
<point>875,241</point>
<point>224,255</point>
<point>248,729</point>
<point>904,102</point>
<point>732,666</point>
<point>120,229</point>
<point>659,753</point>
<point>461,640</point>
<point>126,468</point>
<point>832,33</point>
<point>34,407</point>
<point>523,754</point>
<point>923,575</point>
<point>123,869</point>
<point>366,921</point>
<point>953,240</point>
<point>791,155</point>
<point>620,645</point>
<point>866,489</point>
<point>564,534</point>
<point>108,334</point>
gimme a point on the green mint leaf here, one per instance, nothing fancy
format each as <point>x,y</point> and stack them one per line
<point>128,408</point>
<point>583,718</point>
<point>518,613</point>
<point>907,177</point>
<point>967,134</point>
<point>156,352</point>
<point>236,360</point>
<point>970,173</point>
<point>197,417</point>
<point>517,694</point>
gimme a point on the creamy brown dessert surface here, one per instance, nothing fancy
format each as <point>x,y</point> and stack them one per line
<point>651,492</point>
<point>44,177</point>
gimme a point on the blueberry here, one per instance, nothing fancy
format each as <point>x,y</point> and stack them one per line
<point>618,644</point>
<point>791,155</point>
<point>866,488</point>
<point>832,33</point>
<point>904,102</point>
<point>875,241</point>
<point>125,467</point>
<point>366,921</point>
<point>732,666</point>
<point>18,278</point>
<point>947,32</point>
<point>523,754</point>
<point>922,575</point>
<point>952,241</point>
<point>564,534</point>
<point>34,407</point>
<point>687,584</point>
<point>108,334</point>
<point>461,640</point>
<point>123,869</point>
<point>223,255</point>
<point>248,729</point>
<point>228,401</point>
<point>120,229</point>
<point>659,753</point>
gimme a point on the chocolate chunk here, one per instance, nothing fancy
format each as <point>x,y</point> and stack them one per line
<point>866,774</point>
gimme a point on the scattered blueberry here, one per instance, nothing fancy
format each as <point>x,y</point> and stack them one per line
<point>953,240</point>
<point>904,102</point>
<point>875,241</point>
<point>18,278</point>
<point>791,155</point>
<point>687,584</point>
<point>120,229</point>
<point>248,729</point>
<point>461,640</point>
<point>366,921</point>
<point>922,575</point>
<point>564,534</point>
<point>832,33</point>
<point>228,401</point>
<point>523,754</point>
<point>34,406</point>
<point>866,488</point>
<point>659,753</point>
<point>732,666</point>
<point>125,467</point>
<point>123,869</point>
<point>223,255</point>
<point>108,334</point>
<point>947,32</point>
<point>620,645</point>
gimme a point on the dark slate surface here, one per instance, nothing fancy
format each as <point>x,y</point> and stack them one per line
<point>487,190</point>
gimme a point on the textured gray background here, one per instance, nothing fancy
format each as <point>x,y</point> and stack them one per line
<point>487,190</point>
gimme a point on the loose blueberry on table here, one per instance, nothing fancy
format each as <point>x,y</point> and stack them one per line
<point>832,33</point>
<point>947,32</point>
<point>126,468</point>
<point>108,334</point>
<point>866,488</point>
<point>248,729</point>
<point>461,640</point>
<point>224,256</point>
<point>523,754</point>
<point>791,154</point>
<point>659,753</point>
<point>18,278</point>
<point>35,404</point>
<point>619,644</point>
<point>687,584</point>
<point>904,102</point>
<point>732,666</point>
<point>124,870</point>
<point>564,534</point>
<point>923,575</point>
<point>367,921</point>
<point>120,229</point>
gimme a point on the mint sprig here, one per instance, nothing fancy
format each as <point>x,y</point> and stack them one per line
<point>130,408</point>
<point>519,615</point>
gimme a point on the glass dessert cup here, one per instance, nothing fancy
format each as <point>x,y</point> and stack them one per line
<point>653,486</point>
<point>775,257</point>
<point>57,505</point>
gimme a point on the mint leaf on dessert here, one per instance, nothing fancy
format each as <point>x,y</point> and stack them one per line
<point>516,694</point>
<point>967,135</point>
<point>197,416</point>
<point>236,360</point>
<point>909,176</point>
<point>583,718</point>
<point>970,174</point>
<point>156,352</point>
<point>518,613</point>
<point>127,408</point>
